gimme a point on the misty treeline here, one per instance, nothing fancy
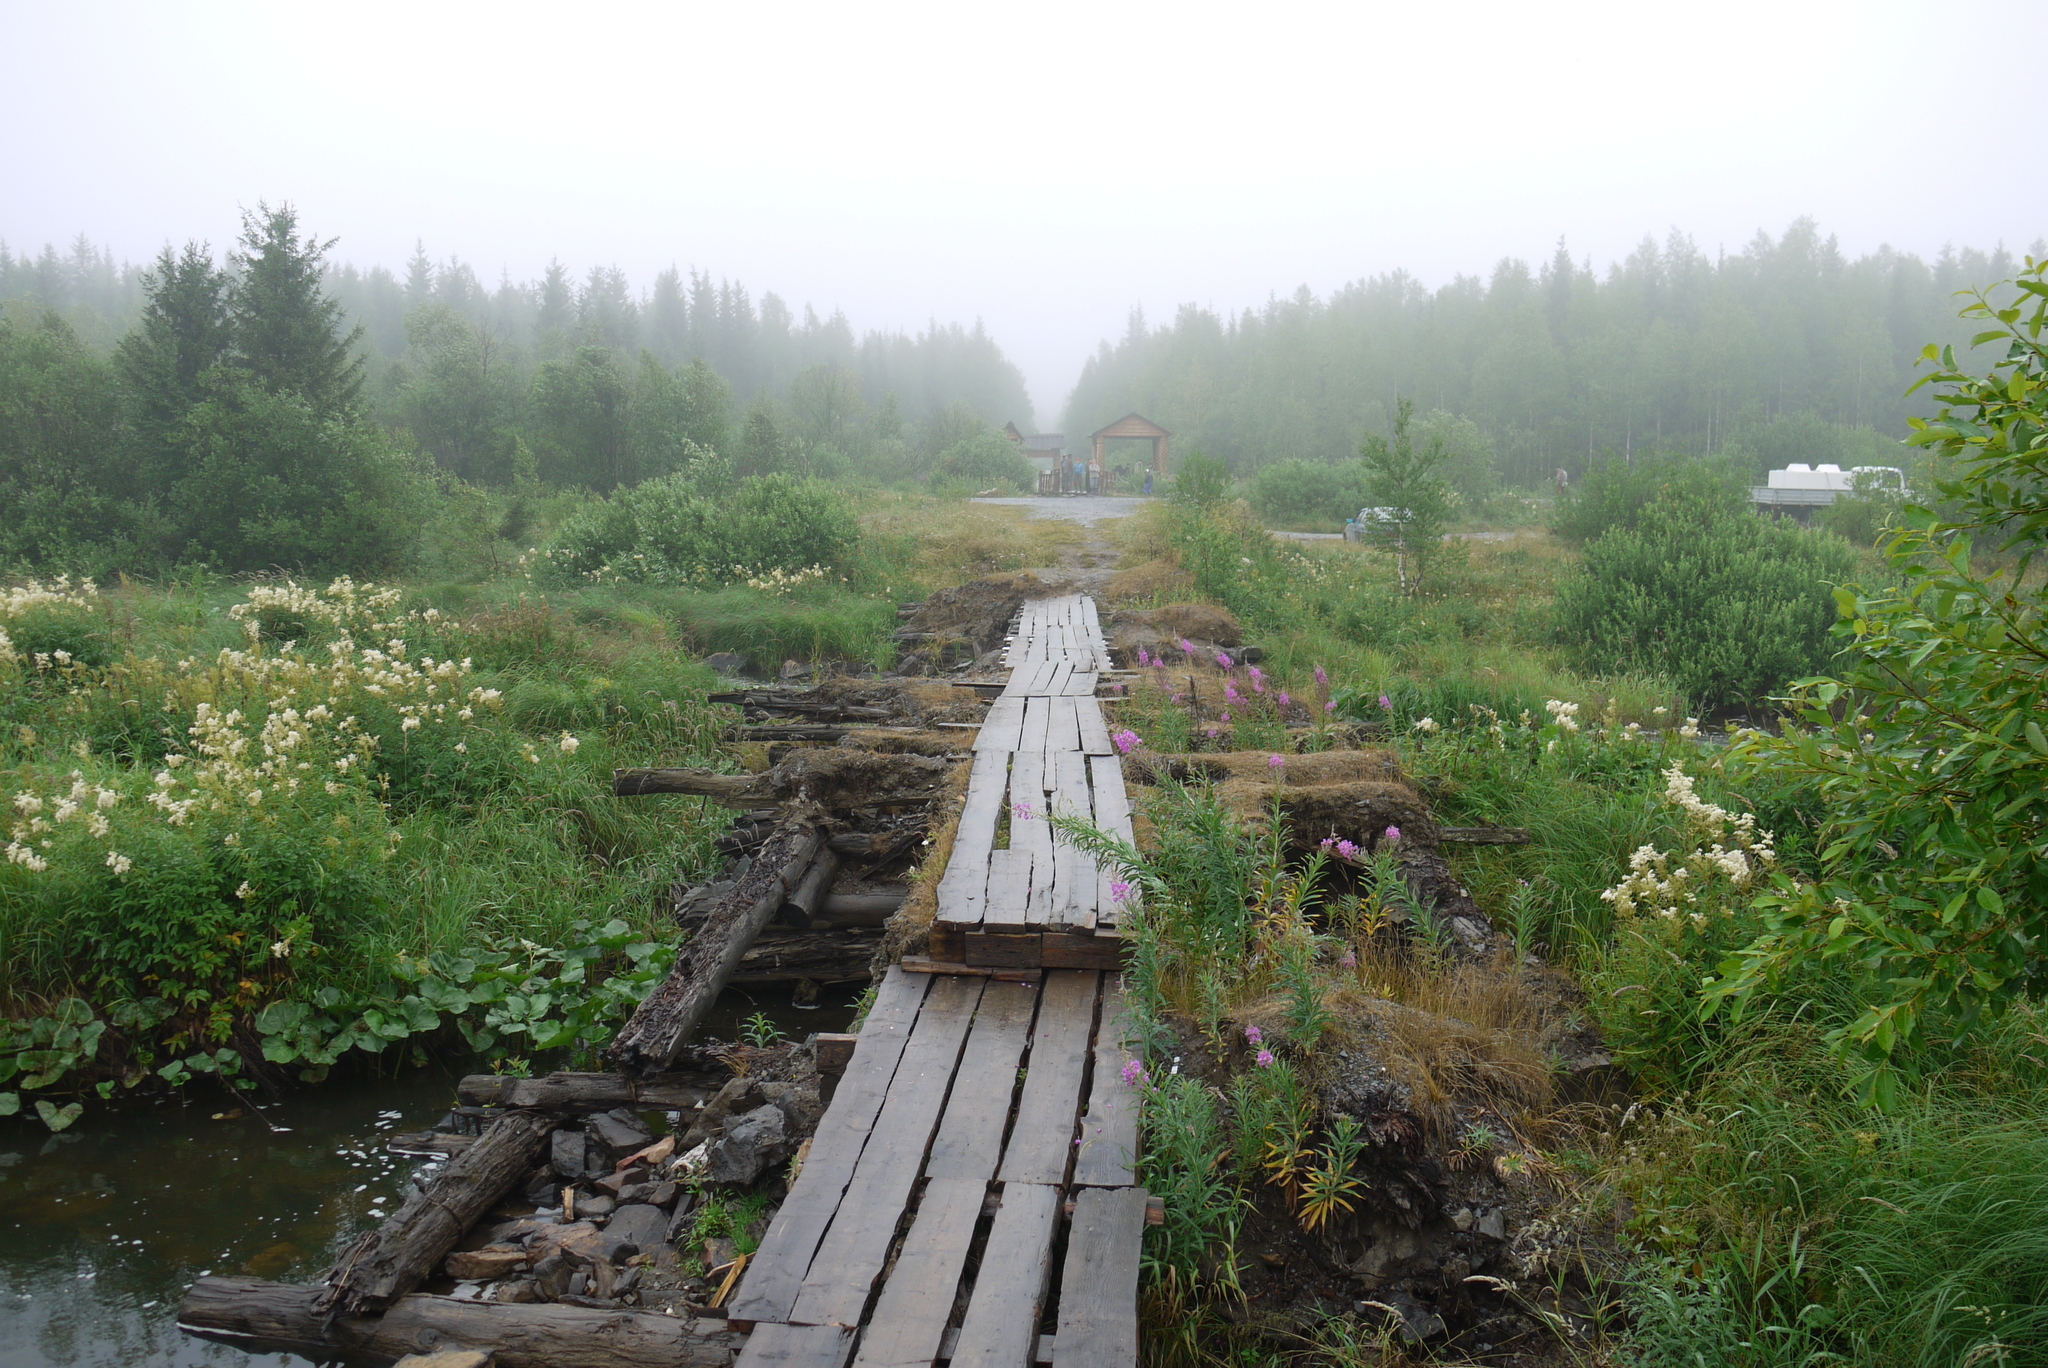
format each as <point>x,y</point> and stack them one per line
<point>274,409</point>
<point>1786,350</point>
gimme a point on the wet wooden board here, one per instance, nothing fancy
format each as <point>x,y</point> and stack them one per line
<point>909,1320</point>
<point>1042,1140</point>
<point>1094,730</point>
<point>970,1139</point>
<point>1036,713</point>
<point>1062,726</point>
<point>963,890</point>
<point>1009,890</point>
<point>1002,728</point>
<point>1031,834</point>
<point>1109,1128</point>
<point>1009,1291</point>
<point>1075,875</point>
<point>1098,1325</point>
<point>796,1346</point>
<point>855,1247</point>
<point>776,1274</point>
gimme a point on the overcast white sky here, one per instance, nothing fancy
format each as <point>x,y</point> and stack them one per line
<point>1043,167</point>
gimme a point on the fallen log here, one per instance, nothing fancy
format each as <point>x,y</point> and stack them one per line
<point>281,1317</point>
<point>822,955</point>
<point>1486,835</point>
<point>727,790</point>
<point>591,1092</point>
<point>399,1255</point>
<point>662,1024</point>
<point>864,909</point>
<point>808,897</point>
<point>797,733</point>
<point>747,791</point>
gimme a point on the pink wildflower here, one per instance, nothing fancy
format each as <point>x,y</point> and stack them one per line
<point>1127,741</point>
<point>1393,834</point>
<point>1255,672</point>
<point>1350,961</point>
<point>1187,646</point>
<point>1386,703</point>
<point>1222,661</point>
<point>1330,706</point>
<point>1144,656</point>
<point>1275,761</point>
<point>1322,677</point>
<point>1265,1059</point>
<point>1022,812</point>
<point>1120,891</point>
<point>1329,841</point>
<point>1258,686</point>
<point>1224,718</point>
<point>1253,1035</point>
<point>1347,850</point>
<point>1231,694</point>
<point>1134,1073</point>
<point>1284,701</point>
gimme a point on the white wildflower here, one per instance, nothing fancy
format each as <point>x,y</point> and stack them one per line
<point>120,864</point>
<point>568,744</point>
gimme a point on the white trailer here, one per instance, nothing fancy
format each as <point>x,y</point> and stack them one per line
<point>1810,486</point>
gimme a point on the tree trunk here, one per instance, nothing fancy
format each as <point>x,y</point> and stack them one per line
<point>658,1030</point>
<point>826,956</point>
<point>591,1092</point>
<point>399,1255</point>
<point>279,1317</point>
<point>727,790</point>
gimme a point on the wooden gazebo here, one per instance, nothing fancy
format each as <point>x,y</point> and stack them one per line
<point>1135,425</point>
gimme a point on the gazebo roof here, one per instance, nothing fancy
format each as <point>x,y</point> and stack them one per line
<point>1130,425</point>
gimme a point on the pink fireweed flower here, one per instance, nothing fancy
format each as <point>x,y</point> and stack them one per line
<point>1222,661</point>
<point>1393,834</point>
<point>1224,718</point>
<point>1187,646</point>
<point>1120,891</point>
<point>1284,701</point>
<point>1347,850</point>
<point>1212,732</point>
<point>1330,706</point>
<point>1350,961</point>
<point>1022,812</point>
<point>1322,677</point>
<point>1275,761</point>
<point>1253,1035</point>
<point>1329,841</point>
<point>1255,672</point>
<point>1144,656</point>
<point>1127,741</point>
<point>1258,686</point>
<point>1134,1074</point>
<point>1386,703</point>
<point>1180,698</point>
<point>1265,1060</point>
<point>1230,693</point>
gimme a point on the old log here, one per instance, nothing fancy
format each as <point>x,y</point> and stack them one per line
<point>864,909</point>
<point>662,1024</point>
<point>1486,835</point>
<point>808,897</point>
<point>280,1317</point>
<point>727,790</point>
<point>592,1092</point>
<point>399,1255</point>
<point>826,956</point>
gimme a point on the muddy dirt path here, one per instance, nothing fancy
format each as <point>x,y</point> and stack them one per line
<point>1089,563</point>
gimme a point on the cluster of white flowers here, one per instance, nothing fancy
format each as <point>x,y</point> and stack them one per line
<point>85,804</point>
<point>60,593</point>
<point>782,581</point>
<point>343,605</point>
<point>1728,855</point>
<point>1566,715</point>
<point>1427,726</point>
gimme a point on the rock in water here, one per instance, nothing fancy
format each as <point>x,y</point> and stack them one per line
<point>620,1131</point>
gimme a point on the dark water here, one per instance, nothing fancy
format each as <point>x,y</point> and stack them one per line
<point>103,1227</point>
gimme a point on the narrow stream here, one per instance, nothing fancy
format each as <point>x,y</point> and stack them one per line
<point>104,1226</point>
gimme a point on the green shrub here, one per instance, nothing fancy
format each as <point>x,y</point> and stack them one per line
<point>1617,493</point>
<point>1295,493</point>
<point>984,460</point>
<point>674,531</point>
<point>1727,605</point>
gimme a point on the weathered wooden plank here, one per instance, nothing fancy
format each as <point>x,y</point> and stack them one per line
<point>1094,730</point>
<point>1074,873</point>
<point>1056,682</point>
<point>775,1276</point>
<point>1037,711</point>
<point>1009,1291</point>
<point>970,1139</point>
<point>1003,728</point>
<point>1063,727</point>
<point>1108,1153</point>
<point>1083,681</point>
<point>1098,1325</point>
<point>851,1255</point>
<point>1112,801</point>
<point>1031,834</point>
<point>1009,890</point>
<point>1042,1141</point>
<point>909,1320</point>
<point>796,1346</point>
<point>1070,949</point>
<point>1003,950</point>
<point>963,889</point>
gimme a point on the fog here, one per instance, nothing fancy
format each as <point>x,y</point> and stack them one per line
<point>1044,170</point>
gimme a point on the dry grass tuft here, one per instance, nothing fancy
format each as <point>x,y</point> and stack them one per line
<point>948,542</point>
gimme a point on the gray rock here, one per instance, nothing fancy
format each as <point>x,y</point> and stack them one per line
<point>619,1131</point>
<point>751,1144</point>
<point>729,663</point>
<point>636,1229</point>
<point>662,1194</point>
<point>1462,1219</point>
<point>1418,1324</point>
<point>1493,1225</point>
<point>593,1207</point>
<point>568,1154</point>
<point>551,1277</point>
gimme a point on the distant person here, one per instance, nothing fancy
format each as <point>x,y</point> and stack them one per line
<point>1563,480</point>
<point>1148,484</point>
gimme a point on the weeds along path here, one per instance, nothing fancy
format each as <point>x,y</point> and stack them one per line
<point>986,1099</point>
<point>1088,565</point>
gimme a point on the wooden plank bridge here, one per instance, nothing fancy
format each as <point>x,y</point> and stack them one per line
<point>984,1115</point>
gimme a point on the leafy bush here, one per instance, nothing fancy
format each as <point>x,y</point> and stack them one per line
<point>1617,494</point>
<point>675,531</point>
<point>1297,493</point>
<point>984,460</point>
<point>1726,604</point>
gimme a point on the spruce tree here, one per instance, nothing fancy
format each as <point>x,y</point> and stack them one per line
<point>166,363</point>
<point>288,333</point>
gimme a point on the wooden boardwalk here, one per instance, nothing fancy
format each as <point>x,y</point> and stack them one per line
<point>971,1196</point>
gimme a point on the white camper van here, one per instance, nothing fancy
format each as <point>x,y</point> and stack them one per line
<point>1817,486</point>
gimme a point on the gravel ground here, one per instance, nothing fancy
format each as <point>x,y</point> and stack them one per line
<point>1085,509</point>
